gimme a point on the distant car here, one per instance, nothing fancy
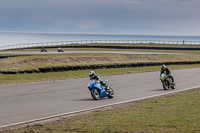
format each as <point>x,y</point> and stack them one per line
<point>43,49</point>
<point>60,50</point>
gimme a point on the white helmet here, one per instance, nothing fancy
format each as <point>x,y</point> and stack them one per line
<point>91,74</point>
<point>163,67</point>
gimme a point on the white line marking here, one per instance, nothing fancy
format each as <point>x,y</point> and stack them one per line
<point>84,110</point>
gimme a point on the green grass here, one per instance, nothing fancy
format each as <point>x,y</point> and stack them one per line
<point>39,77</point>
<point>167,114</point>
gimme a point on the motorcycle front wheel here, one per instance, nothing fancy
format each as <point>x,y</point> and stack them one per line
<point>173,85</point>
<point>95,94</point>
<point>165,85</point>
<point>111,93</point>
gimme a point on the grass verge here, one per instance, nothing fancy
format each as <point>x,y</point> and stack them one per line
<point>166,114</point>
<point>39,77</point>
<point>41,61</point>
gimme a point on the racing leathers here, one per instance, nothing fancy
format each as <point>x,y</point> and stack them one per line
<point>168,73</point>
<point>98,79</point>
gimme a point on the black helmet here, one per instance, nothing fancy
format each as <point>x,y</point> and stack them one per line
<point>163,67</point>
<point>91,74</point>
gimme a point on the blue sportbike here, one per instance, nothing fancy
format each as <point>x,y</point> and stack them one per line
<point>98,91</point>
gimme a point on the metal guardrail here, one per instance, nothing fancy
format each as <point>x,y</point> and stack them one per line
<point>44,44</point>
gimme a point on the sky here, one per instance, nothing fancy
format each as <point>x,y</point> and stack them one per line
<point>137,17</point>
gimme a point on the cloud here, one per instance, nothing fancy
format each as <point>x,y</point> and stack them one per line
<point>127,16</point>
<point>88,24</point>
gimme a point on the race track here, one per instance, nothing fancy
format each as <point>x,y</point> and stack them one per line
<point>112,52</point>
<point>34,101</point>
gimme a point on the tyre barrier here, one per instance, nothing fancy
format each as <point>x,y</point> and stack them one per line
<point>7,56</point>
<point>9,72</point>
<point>29,71</point>
<point>98,66</point>
<point>55,69</point>
<point>21,72</point>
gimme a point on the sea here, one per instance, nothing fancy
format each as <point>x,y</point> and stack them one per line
<point>13,38</point>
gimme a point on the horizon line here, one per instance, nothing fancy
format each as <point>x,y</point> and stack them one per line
<point>87,33</point>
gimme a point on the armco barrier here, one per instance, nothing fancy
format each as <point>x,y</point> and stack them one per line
<point>116,47</point>
<point>98,66</point>
<point>97,42</point>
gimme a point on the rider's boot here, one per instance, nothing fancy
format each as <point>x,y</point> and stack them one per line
<point>107,89</point>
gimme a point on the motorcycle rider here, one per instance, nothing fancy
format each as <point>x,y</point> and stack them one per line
<point>166,70</point>
<point>98,79</point>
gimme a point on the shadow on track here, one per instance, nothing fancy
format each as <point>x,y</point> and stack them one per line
<point>158,90</point>
<point>90,99</point>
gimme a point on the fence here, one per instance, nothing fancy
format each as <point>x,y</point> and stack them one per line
<point>43,44</point>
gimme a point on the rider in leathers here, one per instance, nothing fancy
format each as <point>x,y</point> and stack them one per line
<point>97,78</point>
<point>166,70</point>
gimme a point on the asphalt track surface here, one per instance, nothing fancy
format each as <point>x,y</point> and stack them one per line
<point>114,52</point>
<point>35,101</point>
